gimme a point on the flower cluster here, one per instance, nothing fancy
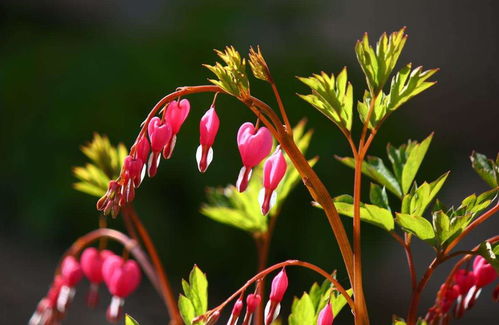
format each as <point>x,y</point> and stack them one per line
<point>254,143</point>
<point>121,277</point>
<point>462,291</point>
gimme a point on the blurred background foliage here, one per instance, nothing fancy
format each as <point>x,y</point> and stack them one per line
<point>69,68</point>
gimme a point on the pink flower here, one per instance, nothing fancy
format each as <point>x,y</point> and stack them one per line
<point>160,134</point>
<point>175,115</point>
<point>142,149</point>
<point>71,271</point>
<point>273,172</point>
<point>252,301</point>
<point>208,128</point>
<point>464,280</point>
<point>91,261</point>
<point>254,145</point>
<point>483,271</point>
<point>326,316</point>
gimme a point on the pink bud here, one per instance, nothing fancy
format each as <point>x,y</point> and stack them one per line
<point>252,301</point>
<point>483,271</point>
<point>110,263</point>
<point>142,149</point>
<point>91,261</point>
<point>133,170</point>
<point>123,279</point>
<point>236,311</point>
<point>208,128</point>
<point>279,286</point>
<point>326,316</point>
<point>464,280</point>
<point>71,271</point>
<point>54,291</point>
<point>273,172</point>
<point>253,146</point>
<point>213,318</point>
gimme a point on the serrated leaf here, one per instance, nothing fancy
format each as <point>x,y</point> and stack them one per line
<point>376,170</point>
<point>378,64</point>
<point>378,196</point>
<point>332,96</point>
<point>369,213</point>
<point>302,311</point>
<point>232,76</point>
<point>130,321</point>
<point>416,225</point>
<point>486,168</point>
<point>417,202</point>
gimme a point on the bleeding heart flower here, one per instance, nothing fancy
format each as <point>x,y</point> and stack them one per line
<point>464,280</point>
<point>71,271</point>
<point>279,286</point>
<point>274,170</point>
<point>254,145</point>
<point>175,114</point>
<point>236,311</point>
<point>483,271</point>
<point>208,129</point>
<point>160,135</point>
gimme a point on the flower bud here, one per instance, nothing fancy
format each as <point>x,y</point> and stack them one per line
<point>236,311</point>
<point>208,129</point>
<point>160,135</point>
<point>326,316</point>
<point>273,172</point>
<point>279,286</point>
<point>252,301</point>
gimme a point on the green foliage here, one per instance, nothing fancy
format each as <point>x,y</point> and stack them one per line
<point>375,168</point>
<point>416,201</point>
<point>130,321</point>
<point>332,96</point>
<point>407,159</point>
<point>306,309</point>
<point>232,76</point>
<point>370,213</point>
<point>194,301</point>
<point>488,169</point>
<point>241,210</point>
<point>449,224</point>
<point>416,225</point>
<point>378,196</point>
<point>401,321</point>
<point>378,64</point>
<point>106,162</point>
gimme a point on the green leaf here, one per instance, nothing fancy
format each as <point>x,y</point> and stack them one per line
<point>332,96</point>
<point>130,321</point>
<point>378,196</point>
<point>486,168</point>
<point>372,214</point>
<point>106,161</point>
<point>376,170</point>
<point>414,160</point>
<point>416,225</point>
<point>338,302</point>
<point>194,301</point>
<point>377,65</point>
<point>441,225</point>
<point>232,76</point>
<point>488,252</point>
<point>302,311</point>
<point>417,202</point>
<point>186,309</point>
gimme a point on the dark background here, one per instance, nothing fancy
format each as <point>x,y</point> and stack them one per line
<point>69,68</point>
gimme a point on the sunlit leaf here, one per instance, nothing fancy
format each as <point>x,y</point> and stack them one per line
<point>416,225</point>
